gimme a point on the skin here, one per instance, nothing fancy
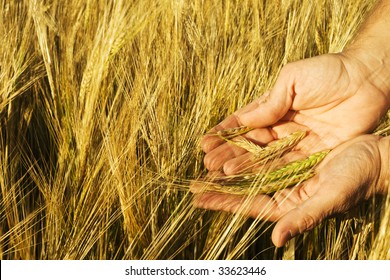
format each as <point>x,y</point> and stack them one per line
<point>321,95</point>
<point>353,172</point>
<point>324,103</point>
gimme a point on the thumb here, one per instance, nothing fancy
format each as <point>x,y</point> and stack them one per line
<point>301,219</point>
<point>270,107</point>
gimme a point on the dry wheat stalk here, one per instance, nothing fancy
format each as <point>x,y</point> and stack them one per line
<point>246,144</point>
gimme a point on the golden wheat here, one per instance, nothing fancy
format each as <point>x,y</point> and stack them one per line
<point>100,98</point>
<point>265,183</point>
<point>256,187</point>
<point>262,154</point>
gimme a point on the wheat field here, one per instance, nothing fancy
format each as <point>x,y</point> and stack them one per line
<point>103,105</point>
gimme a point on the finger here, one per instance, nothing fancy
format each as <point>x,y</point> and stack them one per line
<point>197,186</point>
<point>240,164</point>
<point>210,142</point>
<point>268,111</point>
<point>233,120</point>
<point>216,158</point>
<point>247,163</point>
<point>264,111</point>
<point>260,206</point>
<point>311,210</point>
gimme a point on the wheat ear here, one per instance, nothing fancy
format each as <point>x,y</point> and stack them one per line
<point>259,187</point>
<point>297,166</point>
<point>279,147</point>
<point>273,150</point>
<point>292,168</point>
<point>283,177</point>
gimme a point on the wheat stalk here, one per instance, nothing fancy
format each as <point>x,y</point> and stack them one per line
<point>258,187</point>
<point>100,98</point>
<point>279,147</point>
<point>290,172</point>
<point>262,154</point>
<point>298,166</point>
<point>246,144</point>
<point>269,182</point>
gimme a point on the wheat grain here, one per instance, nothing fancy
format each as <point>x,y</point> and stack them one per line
<point>261,154</point>
<point>294,167</point>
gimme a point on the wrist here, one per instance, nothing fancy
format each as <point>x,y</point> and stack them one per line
<point>373,66</point>
<point>371,48</point>
<point>383,183</point>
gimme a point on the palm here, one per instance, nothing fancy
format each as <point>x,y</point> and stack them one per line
<point>332,102</point>
<point>343,180</point>
<point>327,95</point>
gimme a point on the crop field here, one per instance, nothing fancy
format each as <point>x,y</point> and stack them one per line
<point>102,108</point>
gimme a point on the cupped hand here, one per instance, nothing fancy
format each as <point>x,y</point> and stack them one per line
<point>332,96</point>
<point>348,175</point>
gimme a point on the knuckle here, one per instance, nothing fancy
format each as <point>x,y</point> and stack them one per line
<point>302,194</point>
<point>213,162</point>
<point>307,222</point>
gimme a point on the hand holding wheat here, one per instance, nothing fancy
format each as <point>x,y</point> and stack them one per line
<point>352,172</point>
<point>321,94</point>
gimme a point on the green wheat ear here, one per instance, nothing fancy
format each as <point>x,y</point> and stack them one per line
<point>256,187</point>
<point>257,183</point>
<point>298,166</point>
<point>291,174</point>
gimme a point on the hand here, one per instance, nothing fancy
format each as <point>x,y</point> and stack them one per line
<point>332,96</point>
<point>352,172</point>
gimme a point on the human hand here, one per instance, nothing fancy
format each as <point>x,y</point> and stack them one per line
<point>352,172</point>
<point>332,96</point>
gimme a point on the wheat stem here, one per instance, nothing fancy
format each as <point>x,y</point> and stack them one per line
<point>265,183</point>
<point>262,154</point>
<point>259,187</point>
<point>297,166</point>
<point>279,147</point>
